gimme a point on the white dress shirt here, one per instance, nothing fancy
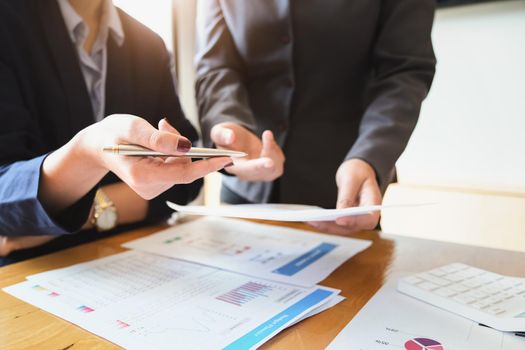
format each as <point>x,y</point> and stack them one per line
<point>94,64</point>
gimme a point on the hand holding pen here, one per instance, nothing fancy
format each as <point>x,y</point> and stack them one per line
<point>147,176</point>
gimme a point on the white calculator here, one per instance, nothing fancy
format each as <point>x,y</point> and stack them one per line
<point>485,297</point>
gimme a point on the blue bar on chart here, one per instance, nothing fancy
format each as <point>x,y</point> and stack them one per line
<point>306,259</point>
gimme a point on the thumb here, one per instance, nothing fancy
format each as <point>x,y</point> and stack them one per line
<point>164,125</point>
<point>222,136</point>
<point>269,145</point>
<point>348,192</point>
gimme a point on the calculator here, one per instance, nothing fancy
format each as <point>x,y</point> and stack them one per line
<point>485,297</point>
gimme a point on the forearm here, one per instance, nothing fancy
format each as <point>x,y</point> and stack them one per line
<point>389,120</point>
<point>220,87</point>
<point>403,73</point>
<point>222,97</point>
<point>23,213</point>
<point>67,175</point>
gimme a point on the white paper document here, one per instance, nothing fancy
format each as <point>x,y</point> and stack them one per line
<point>276,253</point>
<point>144,301</point>
<point>394,321</point>
<point>282,212</point>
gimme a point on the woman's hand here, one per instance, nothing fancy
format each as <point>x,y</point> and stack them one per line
<point>265,159</point>
<point>74,169</point>
<point>147,176</point>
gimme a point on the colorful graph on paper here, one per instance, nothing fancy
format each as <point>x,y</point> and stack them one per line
<point>423,344</point>
<point>245,293</point>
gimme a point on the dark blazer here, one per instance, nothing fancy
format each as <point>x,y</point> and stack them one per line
<point>44,103</point>
<point>333,79</point>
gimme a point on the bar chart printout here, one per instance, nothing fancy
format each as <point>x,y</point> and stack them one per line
<point>423,344</point>
<point>245,293</point>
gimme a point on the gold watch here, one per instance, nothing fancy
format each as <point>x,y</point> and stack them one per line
<point>104,212</point>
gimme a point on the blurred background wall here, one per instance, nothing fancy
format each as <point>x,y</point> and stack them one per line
<point>467,153</point>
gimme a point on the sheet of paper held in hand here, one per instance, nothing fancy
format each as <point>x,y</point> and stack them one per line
<point>276,253</point>
<point>144,301</point>
<point>283,212</point>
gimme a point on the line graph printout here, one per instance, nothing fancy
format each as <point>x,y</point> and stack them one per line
<point>394,321</point>
<point>272,252</point>
<point>144,301</point>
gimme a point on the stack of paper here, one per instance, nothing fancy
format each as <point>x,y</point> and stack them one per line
<point>140,300</point>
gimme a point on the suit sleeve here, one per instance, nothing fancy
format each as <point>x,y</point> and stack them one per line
<point>169,106</point>
<point>404,66</point>
<point>22,213</point>
<point>220,90</point>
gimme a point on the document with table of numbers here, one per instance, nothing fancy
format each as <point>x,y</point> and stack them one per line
<point>143,301</point>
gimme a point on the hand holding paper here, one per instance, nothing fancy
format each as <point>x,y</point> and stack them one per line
<point>357,186</point>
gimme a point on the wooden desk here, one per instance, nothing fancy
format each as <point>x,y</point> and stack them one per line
<point>24,326</point>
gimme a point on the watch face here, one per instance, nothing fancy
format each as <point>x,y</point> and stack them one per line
<point>107,219</point>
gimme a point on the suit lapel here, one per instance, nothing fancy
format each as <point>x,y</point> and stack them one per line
<point>65,60</point>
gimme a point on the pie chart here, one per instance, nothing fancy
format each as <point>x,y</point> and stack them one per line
<point>423,344</point>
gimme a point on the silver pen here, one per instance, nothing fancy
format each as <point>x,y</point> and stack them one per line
<point>194,152</point>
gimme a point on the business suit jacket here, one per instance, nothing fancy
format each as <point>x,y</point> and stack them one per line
<point>334,80</point>
<point>44,103</point>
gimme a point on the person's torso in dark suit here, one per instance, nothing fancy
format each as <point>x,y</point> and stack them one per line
<point>309,68</point>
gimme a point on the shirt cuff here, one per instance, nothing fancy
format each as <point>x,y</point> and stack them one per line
<point>23,214</point>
